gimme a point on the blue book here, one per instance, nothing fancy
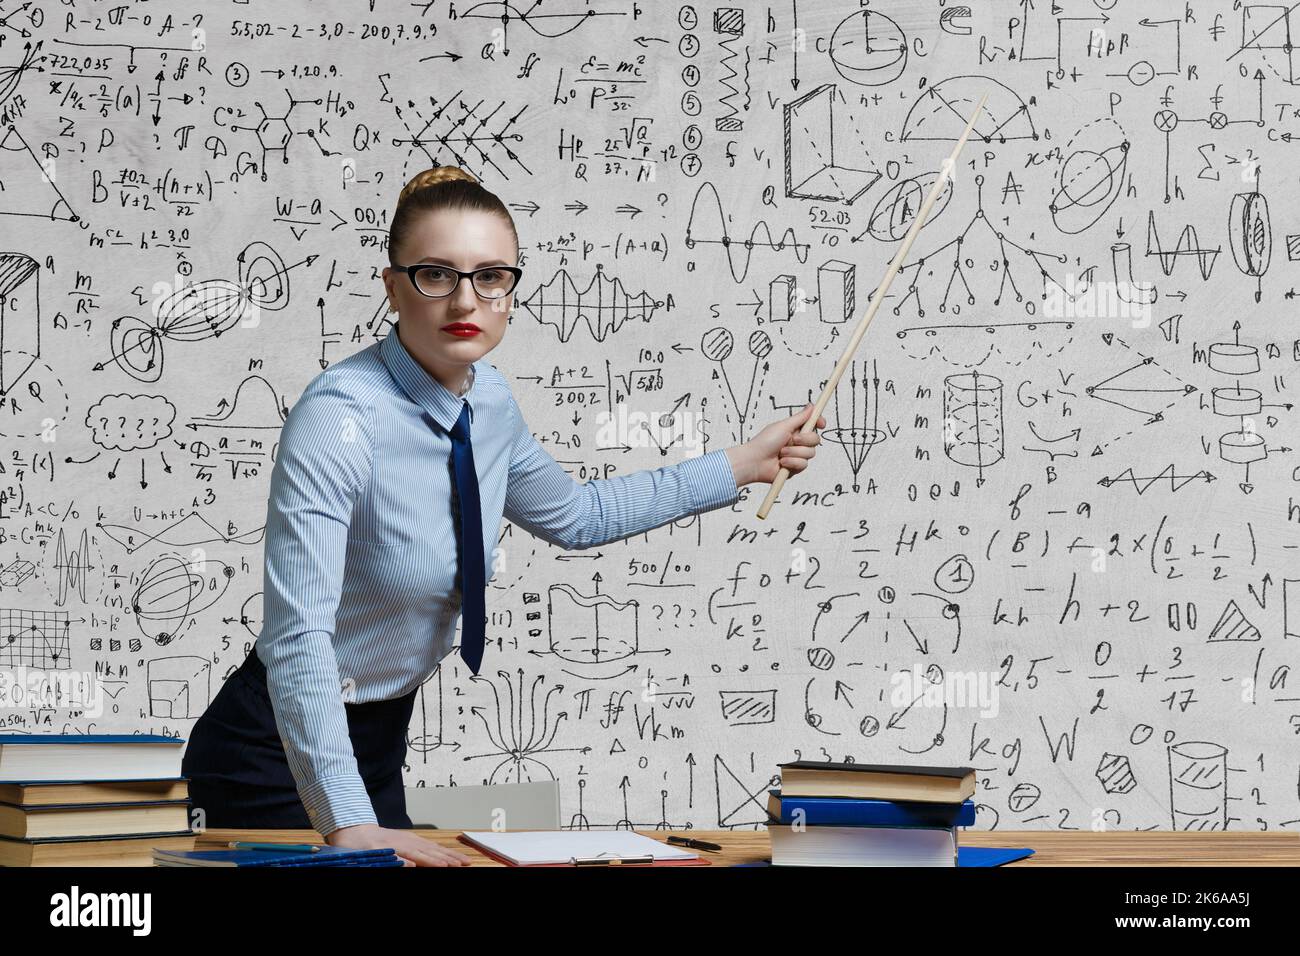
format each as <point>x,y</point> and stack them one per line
<point>851,811</point>
<point>326,856</point>
<point>966,856</point>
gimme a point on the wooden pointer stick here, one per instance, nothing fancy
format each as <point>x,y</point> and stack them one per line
<point>811,424</point>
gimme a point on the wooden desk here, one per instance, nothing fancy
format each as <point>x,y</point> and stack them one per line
<point>1052,847</point>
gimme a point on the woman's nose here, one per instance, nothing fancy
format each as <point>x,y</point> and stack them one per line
<point>465,297</point>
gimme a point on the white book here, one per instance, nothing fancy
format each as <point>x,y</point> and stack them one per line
<point>80,757</point>
<point>863,846</point>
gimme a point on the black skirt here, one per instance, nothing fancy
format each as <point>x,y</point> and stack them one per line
<point>239,775</point>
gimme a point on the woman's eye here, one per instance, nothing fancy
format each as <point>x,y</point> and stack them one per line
<point>490,275</point>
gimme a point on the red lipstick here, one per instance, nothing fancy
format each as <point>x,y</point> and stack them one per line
<point>465,330</point>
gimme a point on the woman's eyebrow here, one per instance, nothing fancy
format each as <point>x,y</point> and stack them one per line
<point>448,262</point>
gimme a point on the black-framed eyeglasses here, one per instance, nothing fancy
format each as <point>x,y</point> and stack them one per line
<point>438,281</point>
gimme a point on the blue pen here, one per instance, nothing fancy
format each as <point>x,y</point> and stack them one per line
<point>286,847</point>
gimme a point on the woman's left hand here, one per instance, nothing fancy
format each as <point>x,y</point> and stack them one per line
<point>779,445</point>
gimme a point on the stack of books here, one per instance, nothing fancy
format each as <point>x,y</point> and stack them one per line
<point>91,799</point>
<point>858,814</point>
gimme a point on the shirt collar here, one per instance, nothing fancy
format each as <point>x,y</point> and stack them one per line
<point>422,388</point>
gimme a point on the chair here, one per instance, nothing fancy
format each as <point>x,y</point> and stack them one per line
<point>509,806</point>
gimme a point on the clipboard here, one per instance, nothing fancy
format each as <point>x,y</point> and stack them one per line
<point>583,862</point>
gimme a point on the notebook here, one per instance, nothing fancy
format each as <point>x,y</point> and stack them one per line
<point>562,847</point>
<point>326,856</point>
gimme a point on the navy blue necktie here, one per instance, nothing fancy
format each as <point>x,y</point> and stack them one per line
<point>470,572</point>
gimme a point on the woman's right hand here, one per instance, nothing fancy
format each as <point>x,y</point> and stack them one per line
<point>415,850</point>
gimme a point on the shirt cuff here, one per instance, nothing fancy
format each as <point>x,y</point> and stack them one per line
<point>336,802</point>
<point>711,480</point>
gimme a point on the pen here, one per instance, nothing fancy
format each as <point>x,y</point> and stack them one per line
<point>284,847</point>
<point>697,844</point>
<point>607,861</point>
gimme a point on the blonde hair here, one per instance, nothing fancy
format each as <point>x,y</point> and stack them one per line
<point>433,176</point>
<point>441,187</point>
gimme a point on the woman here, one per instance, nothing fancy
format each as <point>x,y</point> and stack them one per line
<point>393,473</point>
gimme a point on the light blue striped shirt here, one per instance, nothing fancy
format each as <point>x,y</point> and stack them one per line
<point>361,601</point>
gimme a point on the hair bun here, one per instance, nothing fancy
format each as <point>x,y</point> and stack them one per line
<point>432,177</point>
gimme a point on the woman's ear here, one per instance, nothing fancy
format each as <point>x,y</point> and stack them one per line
<point>389,291</point>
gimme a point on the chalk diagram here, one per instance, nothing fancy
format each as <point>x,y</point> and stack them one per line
<point>1121,264</point>
<point>431,720</point>
<point>1244,446</point>
<point>476,142</point>
<point>740,804</point>
<point>940,113</point>
<point>1188,246</point>
<point>36,639</point>
<point>274,134</point>
<point>896,210</point>
<point>593,629</point>
<point>1233,626</point>
<point>1054,446</point>
<point>1250,236</point>
<point>1142,72</point>
<point>852,433</point>
<point>202,310</point>
<point>717,345</point>
<point>250,616</point>
<point>129,423</point>
<point>1198,786</point>
<point>17,572</point>
<point>1166,120</point>
<point>970,346</point>
<point>234,433</point>
<point>1144,388</point>
<point>1268,29</point>
<point>520,728</point>
<point>746,708</point>
<point>968,255</point>
<point>1169,475</point>
<point>192,531</point>
<point>1090,176</point>
<point>721,235</point>
<point>170,592</point>
<point>543,22</point>
<point>729,23</point>
<point>603,307</point>
<point>72,567</point>
<point>810,147</point>
<point>25,189</point>
<point>788,303</point>
<point>869,49</point>
<point>973,431</point>
<point>1115,774</point>
<point>11,76</point>
<point>180,688</point>
<point>831,701</point>
<point>934,720</point>
<point>31,394</point>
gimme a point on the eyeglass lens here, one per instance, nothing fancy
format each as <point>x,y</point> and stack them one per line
<point>489,283</point>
